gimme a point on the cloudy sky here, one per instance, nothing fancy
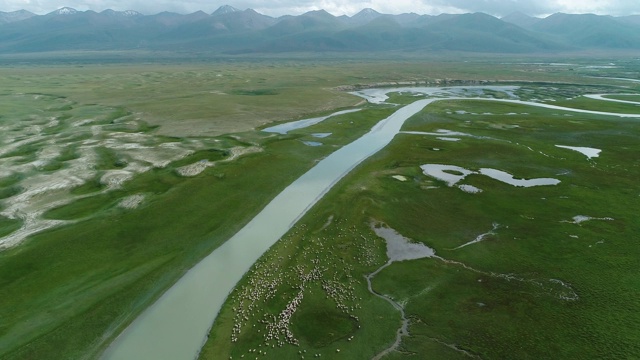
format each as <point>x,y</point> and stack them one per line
<point>336,7</point>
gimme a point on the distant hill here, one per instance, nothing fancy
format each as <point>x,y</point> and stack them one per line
<point>520,19</point>
<point>9,17</point>
<point>591,31</point>
<point>224,10</point>
<point>480,32</point>
<point>311,21</point>
<point>631,20</point>
<point>363,17</point>
<point>231,30</point>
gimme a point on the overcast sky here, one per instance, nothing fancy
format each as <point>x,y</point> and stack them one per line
<point>336,7</point>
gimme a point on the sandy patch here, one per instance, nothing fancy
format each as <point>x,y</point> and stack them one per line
<point>13,144</point>
<point>194,169</point>
<point>82,122</point>
<point>238,151</point>
<point>30,226</point>
<point>131,202</point>
<point>114,179</point>
<point>49,153</point>
<point>126,146</point>
<point>200,166</point>
<point>157,157</point>
<point>96,130</point>
<point>470,189</point>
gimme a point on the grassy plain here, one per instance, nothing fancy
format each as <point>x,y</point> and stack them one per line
<point>68,291</point>
<point>234,95</point>
<point>542,285</point>
<point>625,97</point>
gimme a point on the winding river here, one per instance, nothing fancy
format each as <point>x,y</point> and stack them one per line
<point>176,326</point>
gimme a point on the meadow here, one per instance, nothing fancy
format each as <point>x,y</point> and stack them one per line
<point>520,272</point>
<point>128,174</point>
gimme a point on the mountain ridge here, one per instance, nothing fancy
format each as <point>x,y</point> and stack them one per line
<point>231,30</point>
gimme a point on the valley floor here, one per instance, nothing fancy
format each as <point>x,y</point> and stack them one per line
<point>117,179</point>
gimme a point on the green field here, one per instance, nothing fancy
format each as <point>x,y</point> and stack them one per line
<point>135,172</point>
<point>626,97</point>
<point>539,286</point>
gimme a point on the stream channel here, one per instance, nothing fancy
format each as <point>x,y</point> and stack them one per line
<point>176,326</point>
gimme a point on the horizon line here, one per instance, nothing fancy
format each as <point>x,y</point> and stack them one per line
<point>306,12</point>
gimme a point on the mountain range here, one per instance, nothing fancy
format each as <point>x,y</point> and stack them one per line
<point>232,31</point>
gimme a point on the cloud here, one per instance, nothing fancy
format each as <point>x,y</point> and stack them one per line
<point>349,7</point>
<point>541,7</point>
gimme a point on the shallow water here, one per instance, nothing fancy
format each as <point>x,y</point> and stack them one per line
<point>452,175</point>
<point>582,218</point>
<point>379,96</point>
<point>440,132</point>
<point>587,151</point>
<point>400,248</point>
<point>447,173</point>
<point>321,135</point>
<point>505,177</point>
<point>301,124</point>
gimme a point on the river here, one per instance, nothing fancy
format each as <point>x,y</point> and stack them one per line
<point>176,326</point>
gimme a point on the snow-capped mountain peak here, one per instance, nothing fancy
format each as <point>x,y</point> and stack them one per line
<point>130,13</point>
<point>225,9</point>
<point>65,11</point>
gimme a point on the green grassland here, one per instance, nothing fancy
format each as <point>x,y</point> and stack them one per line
<point>625,97</point>
<point>218,97</point>
<point>66,292</point>
<point>500,298</point>
<point>588,104</point>
<point>128,257</point>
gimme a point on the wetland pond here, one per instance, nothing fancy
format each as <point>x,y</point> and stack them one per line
<point>177,324</point>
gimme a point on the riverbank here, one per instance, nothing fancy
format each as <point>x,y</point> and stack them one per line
<point>191,305</point>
